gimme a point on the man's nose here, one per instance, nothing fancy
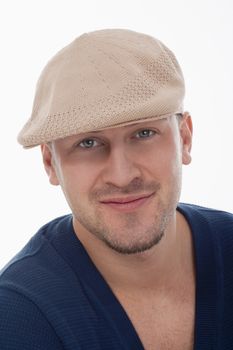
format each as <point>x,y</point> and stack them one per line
<point>121,167</point>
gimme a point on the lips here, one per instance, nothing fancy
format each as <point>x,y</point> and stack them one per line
<point>127,203</point>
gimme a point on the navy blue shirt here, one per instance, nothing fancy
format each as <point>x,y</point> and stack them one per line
<point>53,297</point>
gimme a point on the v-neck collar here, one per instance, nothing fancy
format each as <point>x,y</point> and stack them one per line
<point>207,291</point>
<point>89,276</point>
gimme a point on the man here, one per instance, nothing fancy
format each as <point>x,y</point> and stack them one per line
<point>131,268</point>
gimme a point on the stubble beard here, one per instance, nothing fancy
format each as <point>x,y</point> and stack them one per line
<point>137,236</point>
<point>146,238</point>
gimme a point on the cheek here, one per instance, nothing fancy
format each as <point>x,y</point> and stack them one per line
<point>77,181</point>
<point>164,162</point>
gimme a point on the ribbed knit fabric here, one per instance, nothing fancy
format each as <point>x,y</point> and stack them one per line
<point>52,297</point>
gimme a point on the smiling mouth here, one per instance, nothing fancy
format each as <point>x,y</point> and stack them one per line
<point>128,203</point>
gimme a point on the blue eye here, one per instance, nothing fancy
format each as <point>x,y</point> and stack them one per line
<point>88,143</point>
<point>145,133</point>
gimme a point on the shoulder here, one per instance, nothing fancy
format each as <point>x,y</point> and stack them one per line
<point>211,227</point>
<point>23,326</point>
<point>213,242</point>
<point>216,219</point>
<point>32,289</point>
<point>38,264</point>
<point>23,322</point>
<point>36,246</point>
<point>212,231</point>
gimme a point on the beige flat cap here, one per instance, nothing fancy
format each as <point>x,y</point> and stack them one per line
<point>106,78</point>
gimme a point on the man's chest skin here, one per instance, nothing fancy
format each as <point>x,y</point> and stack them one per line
<point>164,324</point>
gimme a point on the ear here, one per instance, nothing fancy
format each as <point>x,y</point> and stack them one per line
<point>49,164</point>
<point>186,132</point>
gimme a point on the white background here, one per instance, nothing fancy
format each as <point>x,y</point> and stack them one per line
<point>201,35</point>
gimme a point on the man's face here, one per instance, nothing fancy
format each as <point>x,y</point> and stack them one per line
<point>122,184</point>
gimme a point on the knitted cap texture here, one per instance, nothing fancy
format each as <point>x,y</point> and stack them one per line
<point>106,78</point>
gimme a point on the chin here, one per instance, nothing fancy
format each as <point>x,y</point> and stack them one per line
<point>136,248</point>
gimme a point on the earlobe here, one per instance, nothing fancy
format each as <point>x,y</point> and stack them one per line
<point>186,131</point>
<point>186,157</point>
<point>49,164</point>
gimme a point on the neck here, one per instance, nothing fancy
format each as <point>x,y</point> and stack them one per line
<point>160,267</point>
